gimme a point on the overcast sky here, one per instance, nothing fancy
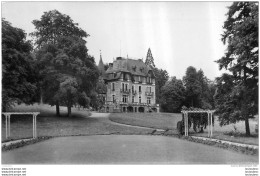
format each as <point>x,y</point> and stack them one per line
<point>180,34</point>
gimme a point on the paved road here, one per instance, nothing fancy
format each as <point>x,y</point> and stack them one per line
<point>99,115</point>
<point>122,149</point>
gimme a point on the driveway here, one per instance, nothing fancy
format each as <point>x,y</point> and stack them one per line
<point>105,117</point>
<point>99,115</point>
<point>122,149</point>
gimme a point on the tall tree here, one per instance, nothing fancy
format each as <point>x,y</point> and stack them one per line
<point>241,59</point>
<point>66,68</point>
<point>161,77</point>
<point>193,87</point>
<point>101,90</point>
<point>172,95</point>
<point>18,79</point>
<point>206,100</point>
<point>199,89</point>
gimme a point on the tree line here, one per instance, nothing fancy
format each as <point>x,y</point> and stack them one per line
<point>194,90</point>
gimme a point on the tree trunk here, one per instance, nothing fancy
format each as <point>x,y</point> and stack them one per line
<point>245,115</point>
<point>41,100</point>
<point>57,109</point>
<point>41,97</point>
<point>247,126</point>
<point>69,110</point>
<point>245,103</point>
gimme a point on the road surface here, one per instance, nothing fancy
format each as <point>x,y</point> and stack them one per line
<point>105,116</point>
<point>122,149</point>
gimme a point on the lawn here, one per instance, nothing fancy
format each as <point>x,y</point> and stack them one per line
<point>81,124</point>
<point>49,125</point>
<point>232,132</point>
<point>154,120</point>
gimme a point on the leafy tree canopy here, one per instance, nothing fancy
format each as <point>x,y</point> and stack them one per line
<point>18,79</point>
<point>173,95</point>
<point>197,89</point>
<point>54,26</point>
<point>161,77</point>
<point>192,84</point>
<point>65,66</point>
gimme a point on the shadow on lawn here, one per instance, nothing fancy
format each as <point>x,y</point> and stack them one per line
<point>46,118</point>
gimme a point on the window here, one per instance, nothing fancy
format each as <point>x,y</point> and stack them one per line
<point>114,100</point>
<point>133,99</point>
<point>123,86</point>
<point>126,87</point>
<point>148,100</point>
<point>133,88</point>
<point>125,99</point>
<point>140,89</point>
<point>139,99</point>
<point>113,86</point>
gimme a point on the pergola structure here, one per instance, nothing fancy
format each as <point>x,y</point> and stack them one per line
<point>8,121</point>
<point>186,122</point>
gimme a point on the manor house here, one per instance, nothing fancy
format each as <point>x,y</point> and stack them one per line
<point>130,86</point>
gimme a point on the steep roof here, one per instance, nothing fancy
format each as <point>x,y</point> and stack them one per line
<point>101,67</point>
<point>135,67</point>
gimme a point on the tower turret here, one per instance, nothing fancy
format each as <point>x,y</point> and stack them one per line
<point>101,67</point>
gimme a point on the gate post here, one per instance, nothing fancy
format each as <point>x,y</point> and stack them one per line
<point>208,124</point>
<point>6,127</point>
<point>211,127</point>
<point>186,128</point>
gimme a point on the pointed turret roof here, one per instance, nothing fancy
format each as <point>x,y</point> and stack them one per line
<point>101,67</point>
<point>149,58</point>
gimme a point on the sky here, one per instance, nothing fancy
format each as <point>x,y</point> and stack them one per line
<point>179,34</point>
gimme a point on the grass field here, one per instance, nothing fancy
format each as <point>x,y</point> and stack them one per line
<point>154,120</point>
<point>49,125</point>
<point>81,124</point>
<point>169,121</point>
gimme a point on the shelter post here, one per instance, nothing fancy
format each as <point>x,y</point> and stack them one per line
<point>208,124</point>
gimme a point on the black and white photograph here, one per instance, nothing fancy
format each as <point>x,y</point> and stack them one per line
<point>129,83</point>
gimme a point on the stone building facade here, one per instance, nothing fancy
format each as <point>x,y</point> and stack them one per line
<point>130,87</point>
